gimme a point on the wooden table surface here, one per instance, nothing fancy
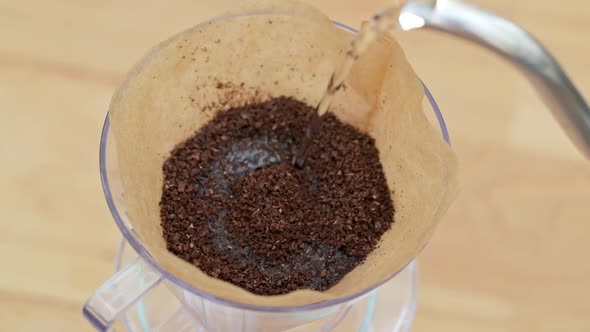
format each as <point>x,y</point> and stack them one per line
<point>511,255</point>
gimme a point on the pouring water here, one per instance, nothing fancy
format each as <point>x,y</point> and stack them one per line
<point>380,23</point>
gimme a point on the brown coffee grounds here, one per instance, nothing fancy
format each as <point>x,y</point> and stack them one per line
<point>234,205</point>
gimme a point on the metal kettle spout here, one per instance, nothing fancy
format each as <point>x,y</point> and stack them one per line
<point>514,44</point>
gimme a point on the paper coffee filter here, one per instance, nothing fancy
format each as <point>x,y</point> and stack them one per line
<point>290,7</point>
<point>284,49</point>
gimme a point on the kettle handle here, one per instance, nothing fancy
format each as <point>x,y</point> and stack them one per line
<point>514,44</point>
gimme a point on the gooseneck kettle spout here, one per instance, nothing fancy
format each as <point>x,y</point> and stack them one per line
<point>514,44</point>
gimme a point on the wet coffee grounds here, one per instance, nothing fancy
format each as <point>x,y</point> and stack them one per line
<point>235,206</point>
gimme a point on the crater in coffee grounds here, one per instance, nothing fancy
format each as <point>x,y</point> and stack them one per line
<point>235,206</point>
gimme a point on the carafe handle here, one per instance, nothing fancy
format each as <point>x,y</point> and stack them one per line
<point>124,289</point>
<point>516,45</point>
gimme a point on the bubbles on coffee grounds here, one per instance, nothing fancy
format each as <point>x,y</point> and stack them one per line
<point>235,206</point>
<point>253,153</point>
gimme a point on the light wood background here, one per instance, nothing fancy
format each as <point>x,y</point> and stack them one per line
<point>511,255</point>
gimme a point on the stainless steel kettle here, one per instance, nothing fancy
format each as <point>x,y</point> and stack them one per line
<point>514,44</point>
